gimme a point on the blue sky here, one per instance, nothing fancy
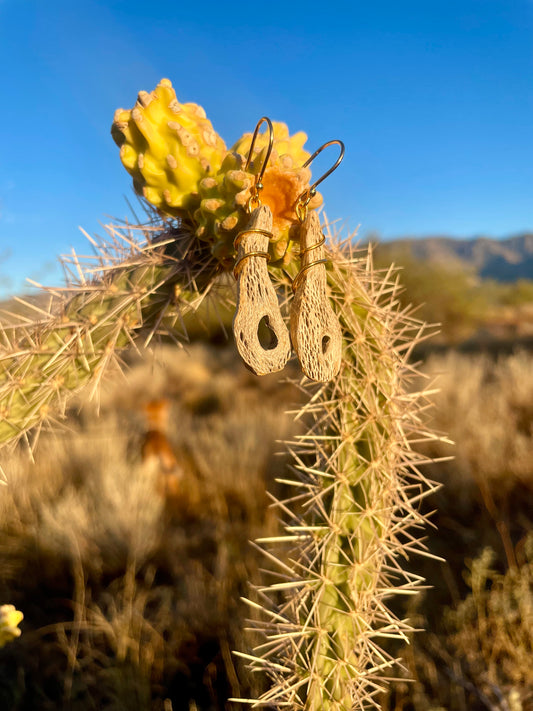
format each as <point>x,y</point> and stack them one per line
<point>433,99</point>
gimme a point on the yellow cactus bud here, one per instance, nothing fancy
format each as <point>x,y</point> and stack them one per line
<point>10,618</point>
<point>168,148</point>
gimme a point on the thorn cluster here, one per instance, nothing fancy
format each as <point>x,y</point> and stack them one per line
<point>354,512</point>
<point>134,287</point>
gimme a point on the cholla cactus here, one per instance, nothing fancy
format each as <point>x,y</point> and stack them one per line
<point>10,618</point>
<point>356,486</point>
<point>355,480</point>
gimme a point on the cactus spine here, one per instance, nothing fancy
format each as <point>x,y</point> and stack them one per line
<point>141,288</point>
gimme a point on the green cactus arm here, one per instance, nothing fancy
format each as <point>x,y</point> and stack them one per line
<point>153,289</point>
<point>358,496</point>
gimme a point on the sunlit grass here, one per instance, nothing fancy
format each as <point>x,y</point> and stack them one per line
<point>477,648</point>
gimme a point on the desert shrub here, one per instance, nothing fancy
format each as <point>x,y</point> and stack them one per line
<point>479,656</point>
<point>444,294</point>
<point>518,293</point>
<point>485,404</point>
<point>486,407</point>
<point>476,650</point>
<point>492,628</point>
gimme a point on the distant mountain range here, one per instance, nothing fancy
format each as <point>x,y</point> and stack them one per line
<point>504,260</point>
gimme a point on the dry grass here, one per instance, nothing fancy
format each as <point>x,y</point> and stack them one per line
<point>485,405</point>
<point>478,647</point>
<point>129,602</point>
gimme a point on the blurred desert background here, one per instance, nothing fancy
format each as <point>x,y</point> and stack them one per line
<point>126,539</point>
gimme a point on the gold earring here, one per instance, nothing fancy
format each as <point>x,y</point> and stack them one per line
<point>315,330</point>
<point>260,332</point>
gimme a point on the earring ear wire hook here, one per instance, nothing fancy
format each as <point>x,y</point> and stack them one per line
<point>305,198</point>
<point>254,200</point>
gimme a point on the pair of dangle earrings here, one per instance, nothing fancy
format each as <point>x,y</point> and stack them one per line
<point>315,331</point>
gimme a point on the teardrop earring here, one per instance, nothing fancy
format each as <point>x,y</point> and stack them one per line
<point>260,332</point>
<point>315,330</point>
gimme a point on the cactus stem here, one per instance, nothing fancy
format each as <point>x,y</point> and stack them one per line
<point>352,515</point>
